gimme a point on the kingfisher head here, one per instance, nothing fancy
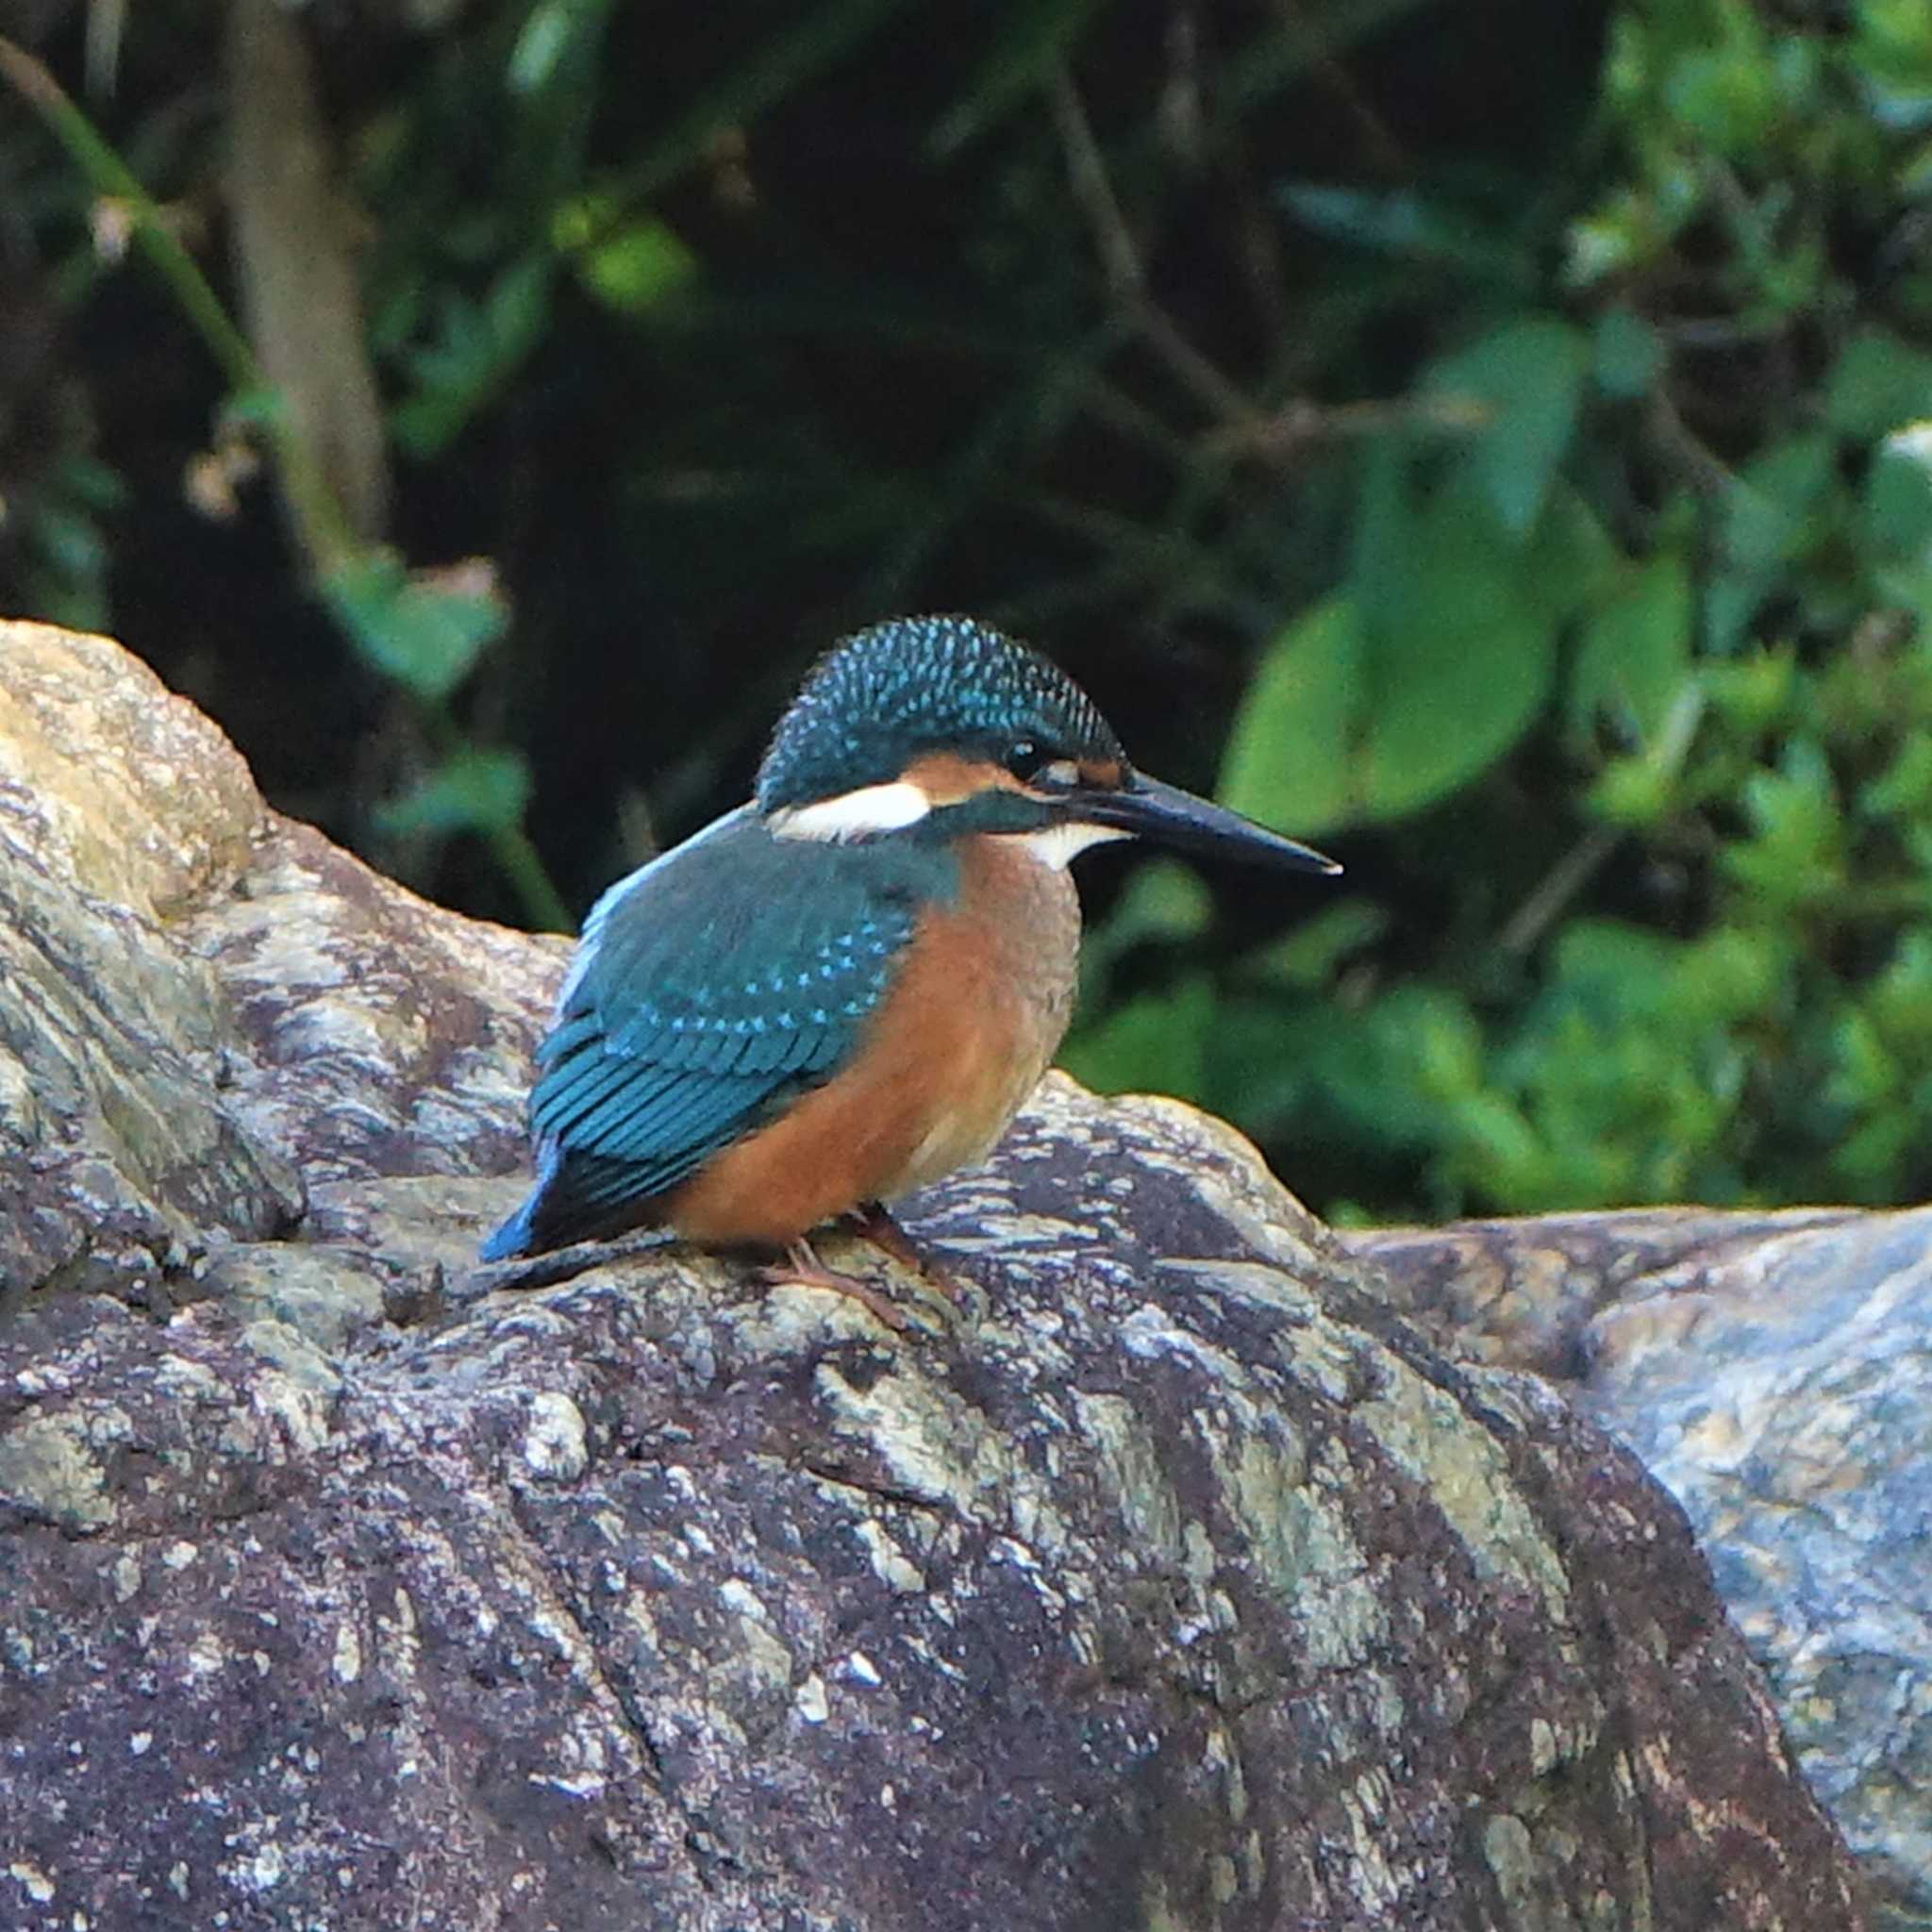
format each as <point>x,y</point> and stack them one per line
<point>934,727</point>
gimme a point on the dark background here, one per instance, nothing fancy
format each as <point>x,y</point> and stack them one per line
<point>1465,435</point>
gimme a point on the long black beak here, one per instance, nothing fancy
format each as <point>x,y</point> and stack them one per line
<point>1172,817</point>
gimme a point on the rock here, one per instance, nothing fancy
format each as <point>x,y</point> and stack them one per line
<point>114,1146</point>
<point>1177,1581</point>
<point>1774,1371</point>
<point>209,1007</point>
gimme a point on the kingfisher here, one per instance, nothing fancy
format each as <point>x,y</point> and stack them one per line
<point>846,987</point>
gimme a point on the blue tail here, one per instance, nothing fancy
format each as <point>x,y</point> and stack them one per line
<point>513,1237</point>
<point>577,1197</point>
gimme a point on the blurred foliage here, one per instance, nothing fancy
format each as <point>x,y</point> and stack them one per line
<point>1503,434</point>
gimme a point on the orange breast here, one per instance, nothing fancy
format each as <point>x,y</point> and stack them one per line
<point>973,1020</point>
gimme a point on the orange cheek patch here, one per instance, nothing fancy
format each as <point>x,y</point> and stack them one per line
<point>946,778</point>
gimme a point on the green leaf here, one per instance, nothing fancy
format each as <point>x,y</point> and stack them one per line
<point>1754,694</point>
<point>1494,1144</point>
<point>1528,377</point>
<point>1727,93</point>
<point>480,345</point>
<point>1636,651</point>
<point>1164,901</point>
<point>1783,508</point>
<point>1796,855</point>
<point>1635,793</point>
<point>1732,973</point>
<point>1729,104</point>
<point>1904,786</point>
<point>1896,511</point>
<point>1460,659</point>
<point>1288,761</point>
<point>1392,1071</point>
<point>1312,955</point>
<point>1626,229</point>
<point>1900,1001</point>
<point>547,35</point>
<point>93,483</point>
<point>634,266</point>
<point>475,791</point>
<point>70,539</point>
<point>1380,700</point>
<point>1156,1044</point>
<point>1628,353</point>
<point>422,633</point>
<point>1892,55</point>
<point>1769,509</point>
<point>1572,563</point>
<point>1878,384</point>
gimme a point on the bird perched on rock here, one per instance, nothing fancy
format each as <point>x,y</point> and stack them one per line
<point>845,988</point>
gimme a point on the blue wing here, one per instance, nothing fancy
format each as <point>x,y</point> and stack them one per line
<point>710,988</point>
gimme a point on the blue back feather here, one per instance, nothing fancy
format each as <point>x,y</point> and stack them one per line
<point>718,982</point>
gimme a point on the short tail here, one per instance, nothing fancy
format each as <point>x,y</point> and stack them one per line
<point>577,1198</point>
<point>517,1236</point>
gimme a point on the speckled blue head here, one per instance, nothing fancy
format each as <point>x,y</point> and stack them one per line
<point>916,685</point>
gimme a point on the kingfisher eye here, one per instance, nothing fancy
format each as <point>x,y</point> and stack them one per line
<point>1040,766</point>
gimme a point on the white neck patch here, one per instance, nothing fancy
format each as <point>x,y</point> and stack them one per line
<point>1059,846</point>
<point>854,815</point>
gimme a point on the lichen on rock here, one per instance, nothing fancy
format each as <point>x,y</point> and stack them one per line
<point>1178,1581</point>
<point>1774,1371</point>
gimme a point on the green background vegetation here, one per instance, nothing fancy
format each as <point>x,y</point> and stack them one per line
<point>1486,438</point>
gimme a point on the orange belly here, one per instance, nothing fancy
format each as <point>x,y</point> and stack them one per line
<point>971,1021</point>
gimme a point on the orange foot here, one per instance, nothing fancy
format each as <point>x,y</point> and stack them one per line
<point>803,1268</point>
<point>872,1221</point>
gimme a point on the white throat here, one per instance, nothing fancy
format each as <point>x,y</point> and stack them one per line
<point>1059,846</point>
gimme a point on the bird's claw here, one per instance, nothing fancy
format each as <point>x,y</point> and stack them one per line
<point>873,1223</point>
<point>802,1268</point>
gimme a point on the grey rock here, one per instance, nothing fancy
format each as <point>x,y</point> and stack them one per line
<point>115,1147</point>
<point>1175,1580</point>
<point>210,1010</point>
<point>1775,1372</point>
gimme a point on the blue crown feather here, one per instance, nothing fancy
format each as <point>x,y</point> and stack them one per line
<point>881,699</point>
